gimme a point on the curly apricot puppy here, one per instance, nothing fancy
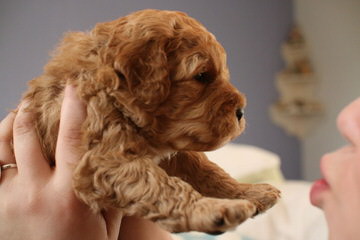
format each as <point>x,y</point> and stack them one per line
<point>157,92</point>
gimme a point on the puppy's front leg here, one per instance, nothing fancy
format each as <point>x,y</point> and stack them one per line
<point>141,188</point>
<point>212,181</point>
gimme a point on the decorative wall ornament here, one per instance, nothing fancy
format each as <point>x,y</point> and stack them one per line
<point>297,110</point>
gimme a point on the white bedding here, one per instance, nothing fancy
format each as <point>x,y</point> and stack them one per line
<point>293,217</point>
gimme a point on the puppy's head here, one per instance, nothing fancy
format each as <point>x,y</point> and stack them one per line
<point>168,74</point>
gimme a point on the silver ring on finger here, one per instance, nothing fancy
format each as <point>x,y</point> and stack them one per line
<point>7,166</point>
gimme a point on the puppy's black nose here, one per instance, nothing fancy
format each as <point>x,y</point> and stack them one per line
<point>239,113</point>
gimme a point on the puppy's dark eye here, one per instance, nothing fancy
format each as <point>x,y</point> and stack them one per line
<point>204,77</point>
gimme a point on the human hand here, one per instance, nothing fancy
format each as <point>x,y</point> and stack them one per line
<point>37,201</point>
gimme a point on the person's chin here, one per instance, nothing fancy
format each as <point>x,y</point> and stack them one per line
<point>317,191</point>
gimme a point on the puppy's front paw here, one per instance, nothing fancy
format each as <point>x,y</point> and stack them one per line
<point>263,196</point>
<point>215,216</point>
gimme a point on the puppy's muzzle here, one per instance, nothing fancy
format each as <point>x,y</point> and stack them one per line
<point>239,113</point>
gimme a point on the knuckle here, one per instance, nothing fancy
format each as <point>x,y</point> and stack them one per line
<point>72,136</point>
<point>23,124</point>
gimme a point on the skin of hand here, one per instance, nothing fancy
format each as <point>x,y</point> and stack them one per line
<point>36,201</point>
<point>133,228</point>
<point>338,193</point>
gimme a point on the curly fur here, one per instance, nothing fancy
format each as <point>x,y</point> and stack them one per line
<point>157,91</point>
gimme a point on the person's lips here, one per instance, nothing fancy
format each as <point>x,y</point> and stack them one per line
<point>316,191</point>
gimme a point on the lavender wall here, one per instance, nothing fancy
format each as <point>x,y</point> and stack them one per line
<point>251,32</point>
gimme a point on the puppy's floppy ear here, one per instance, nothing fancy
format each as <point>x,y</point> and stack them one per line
<point>145,67</point>
<point>137,51</point>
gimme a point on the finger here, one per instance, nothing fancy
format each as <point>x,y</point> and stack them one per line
<point>28,153</point>
<point>6,153</point>
<point>6,135</point>
<point>73,113</point>
<point>113,220</point>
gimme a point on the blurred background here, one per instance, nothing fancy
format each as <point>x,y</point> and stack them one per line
<point>252,32</point>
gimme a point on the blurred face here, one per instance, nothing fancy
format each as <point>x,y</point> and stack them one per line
<point>338,193</point>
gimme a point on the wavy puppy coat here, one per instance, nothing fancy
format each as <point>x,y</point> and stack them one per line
<point>157,92</point>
